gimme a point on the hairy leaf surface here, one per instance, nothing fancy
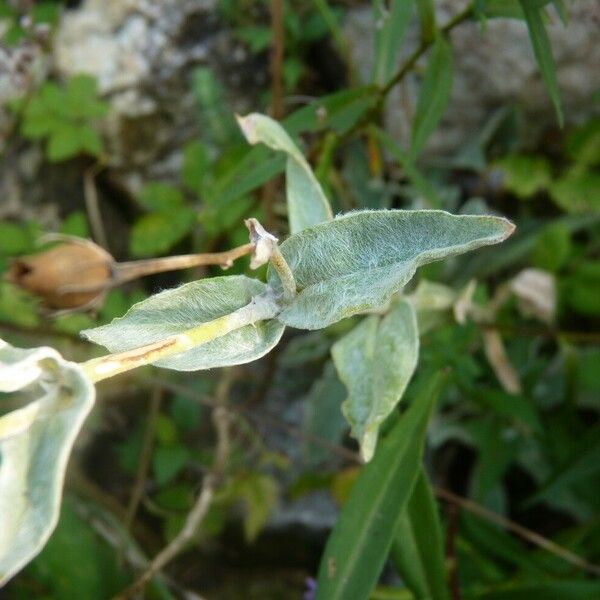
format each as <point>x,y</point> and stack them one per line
<point>376,361</point>
<point>35,444</point>
<point>177,310</point>
<point>307,204</point>
<point>356,262</point>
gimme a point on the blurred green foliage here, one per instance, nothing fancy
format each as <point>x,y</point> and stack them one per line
<point>64,116</point>
<point>531,456</point>
<point>40,13</point>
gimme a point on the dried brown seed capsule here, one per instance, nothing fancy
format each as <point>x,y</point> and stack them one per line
<point>71,275</point>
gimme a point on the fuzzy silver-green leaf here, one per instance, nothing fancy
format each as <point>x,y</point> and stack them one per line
<point>35,444</point>
<point>359,260</point>
<point>307,204</point>
<point>175,311</point>
<point>376,361</point>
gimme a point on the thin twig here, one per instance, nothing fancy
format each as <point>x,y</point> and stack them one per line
<point>79,483</point>
<point>126,271</point>
<point>376,110</point>
<point>423,47</point>
<point>451,533</point>
<point>523,532</point>
<point>443,493</point>
<point>90,194</point>
<point>270,189</point>
<point>145,456</point>
<point>210,484</point>
<point>570,336</point>
<point>277,52</point>
<point>102,521</point>
<point>192,523</point>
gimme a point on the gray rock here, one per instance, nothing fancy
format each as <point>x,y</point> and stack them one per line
<point>493,68</point>
<point>143,53</point>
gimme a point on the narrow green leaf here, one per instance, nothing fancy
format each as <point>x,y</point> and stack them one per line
<point>359,260</point>
<point>426,11</point>
<point>177,310</point>
<point>361,539</point>
<point>543,53</point>
<point>217,121</point>
<point>497,545</point>
<point>418,549</point>
<point>583,464</point>
<point>330,19</point>
<point>35,444</point>
<point>416,177</point>
<point>376,361</point>
<point>323,418</point>
<point>561,10</point>
<point>507,9</point>
<point>252,171</point>
<point>339,111</point>
<point>434,95</point>
<point>307,204</point>
<point>495,454</point>
<point>513,406</point>
<point>390,25</point>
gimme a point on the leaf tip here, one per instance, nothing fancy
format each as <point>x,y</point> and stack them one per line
<point>367,441</point>
<point>248,126</point>
<point>509,228</point>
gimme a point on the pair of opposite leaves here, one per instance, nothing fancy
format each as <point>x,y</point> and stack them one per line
<point>341,266</point>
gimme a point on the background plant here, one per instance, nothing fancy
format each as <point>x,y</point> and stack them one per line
<point>513,431</point>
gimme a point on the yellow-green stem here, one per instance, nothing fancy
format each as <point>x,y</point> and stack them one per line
<point>104,367</point>
<point>285,274</point>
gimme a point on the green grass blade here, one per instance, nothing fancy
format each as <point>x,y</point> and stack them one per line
<point>433,96</point>
<point>427,18</point>
<point>417,549</point>
<point>543,54</point>
<point>360,542</point>
<point>391,26</point>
